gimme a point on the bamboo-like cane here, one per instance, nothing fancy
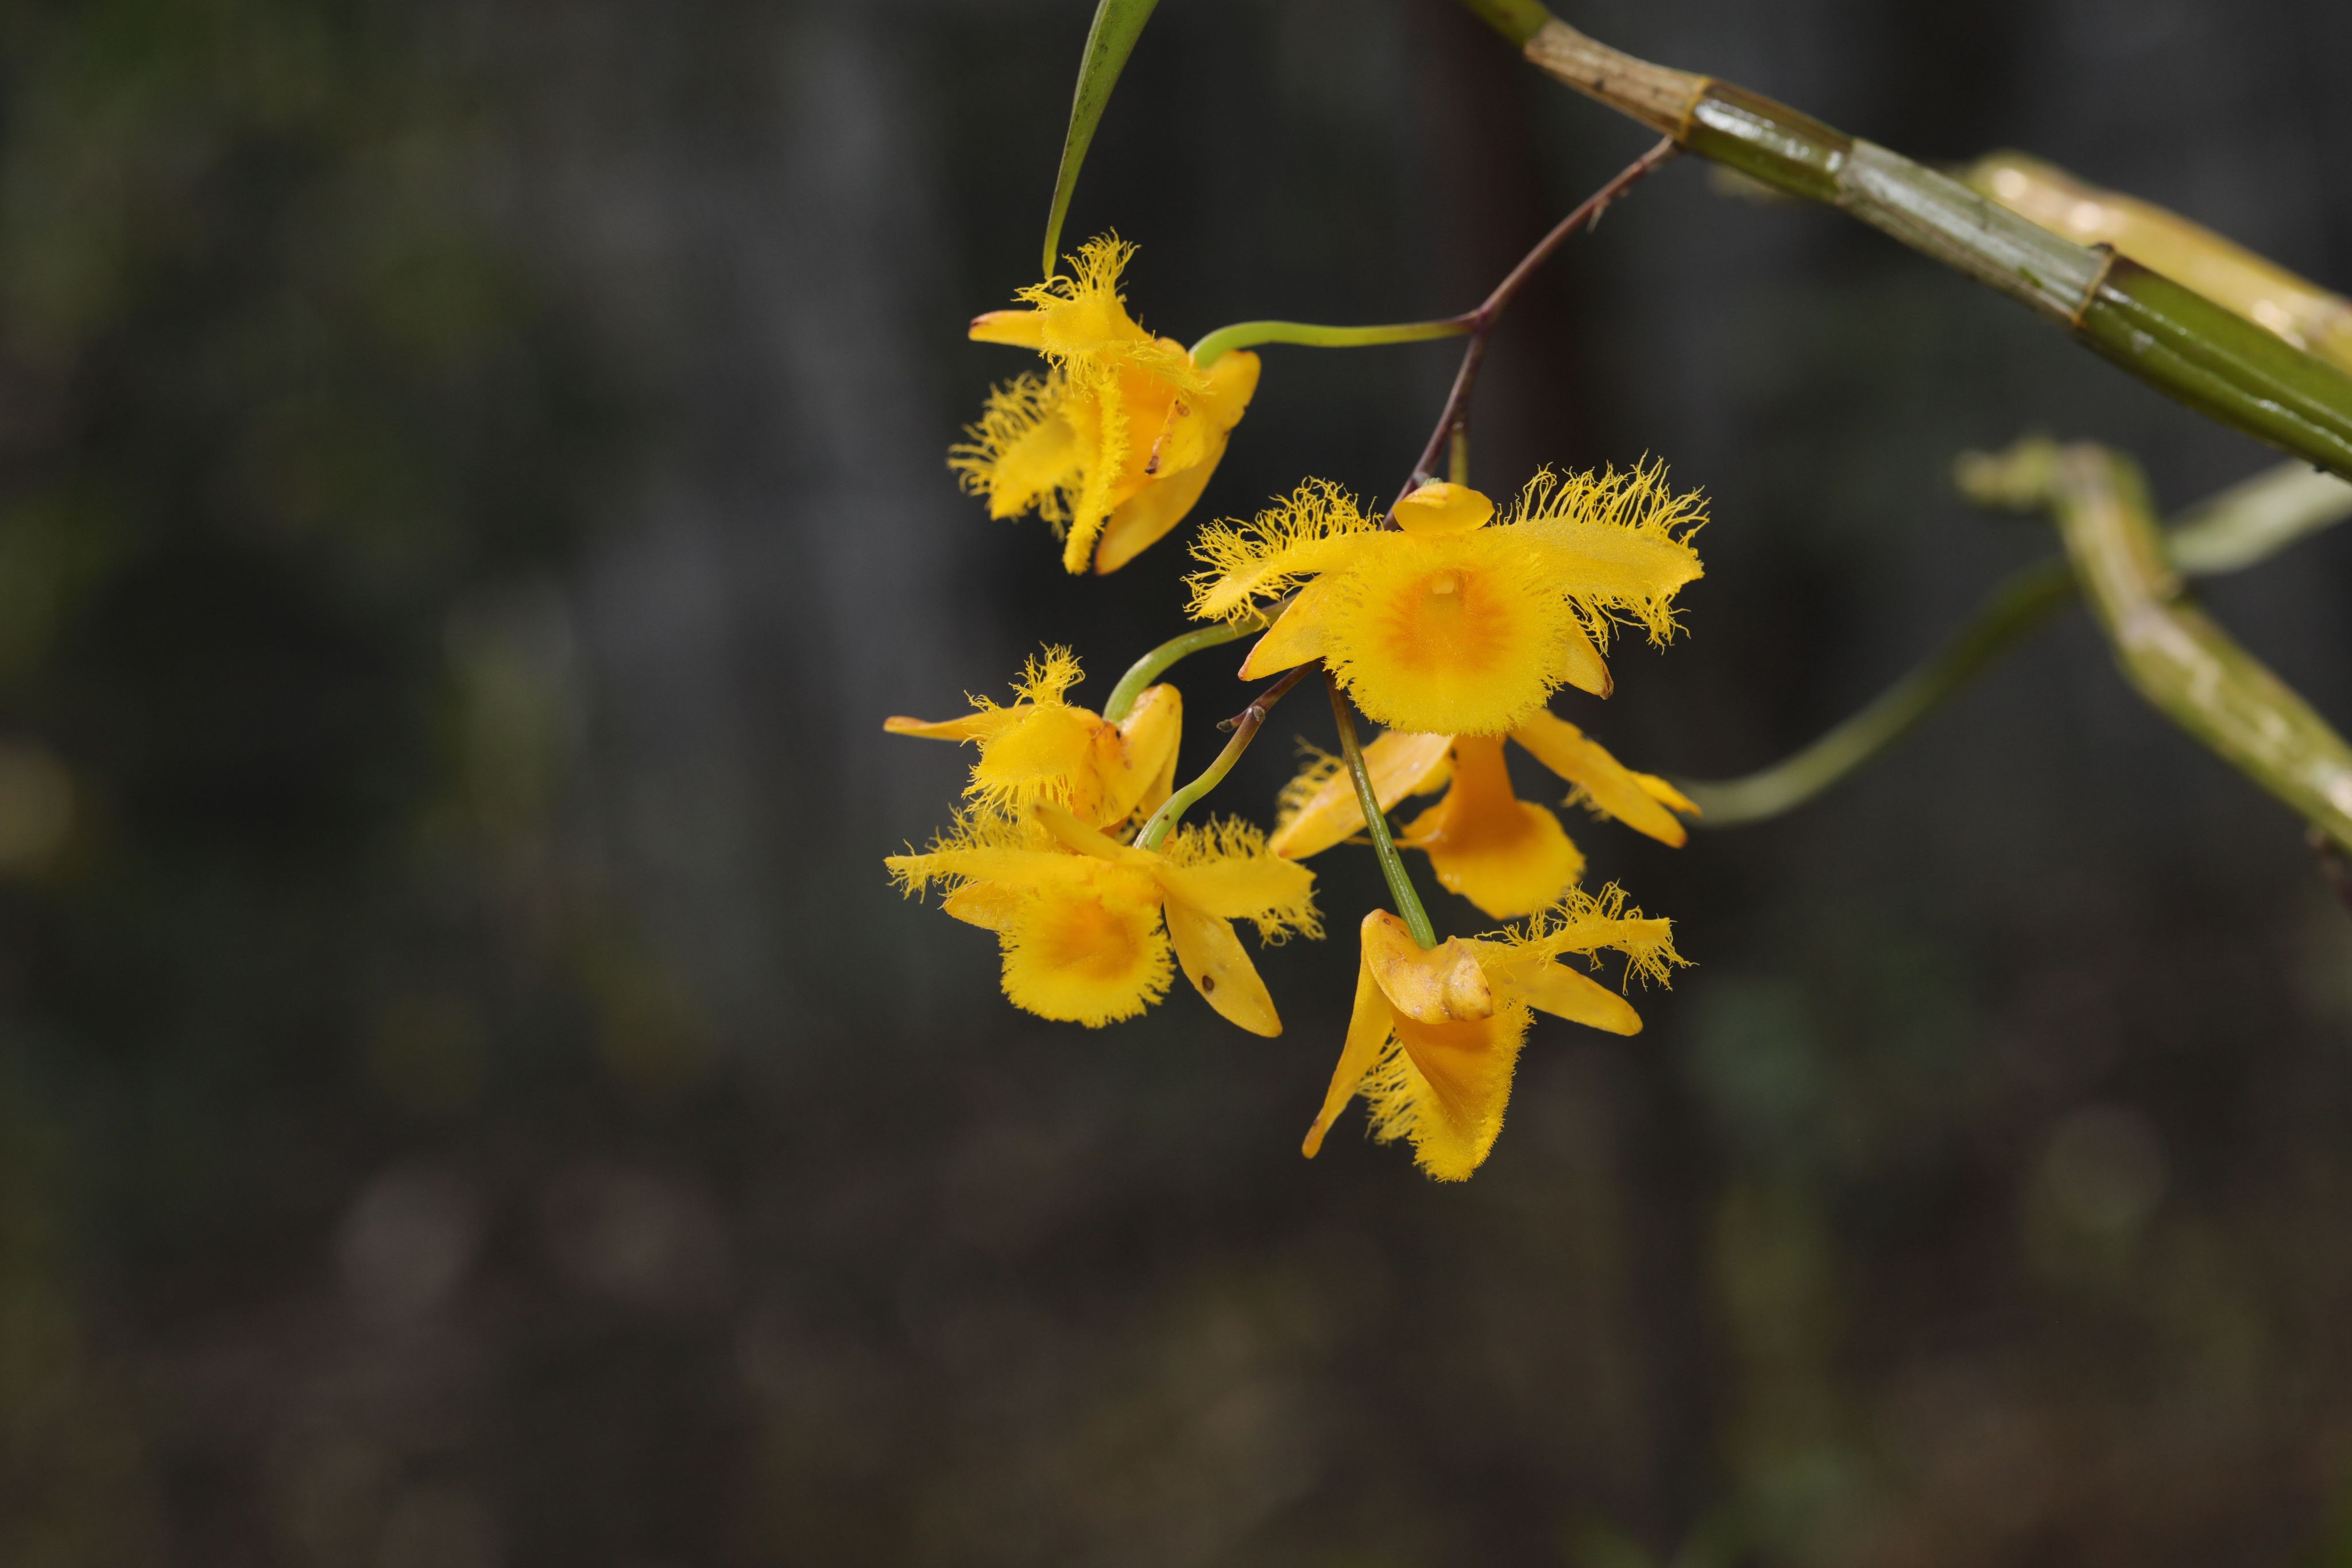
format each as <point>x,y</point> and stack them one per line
<point>2183,661</point>
<point>2169,335</point>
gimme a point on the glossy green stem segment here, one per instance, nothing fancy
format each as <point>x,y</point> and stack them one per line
<point>2170,337</point>
<point>2179,657</point>
<point>2221,364</point>
<point>1250,334</point>
<point>2027,599</point>
<point>1376,822</point>
<point>1160,824</point>
<point>2247,523</point>
<point>1111,38</point>
<point>1161,660</point>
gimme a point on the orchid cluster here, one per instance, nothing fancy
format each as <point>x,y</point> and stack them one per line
<point>1455,623</point>
<point>1449,620</point>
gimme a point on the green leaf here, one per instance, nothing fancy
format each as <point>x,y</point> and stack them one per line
<point>1118,23</point>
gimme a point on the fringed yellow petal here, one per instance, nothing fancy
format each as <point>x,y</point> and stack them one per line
<point>1600,780</point>
<point>1080,313</point>
<point>1244,889</point>
<point>1441,507</point>
<point>1046,753</point>
<point>1023,454</point>
<point>1564,993</point>
<point>1436,985</point>
<point>1295,636</point>
<point>1047,677</point>
<point>1319,808</point>
<point>1624,539</point>
<point>1455,634</point>
<point>1213,960</point>
<point>1042,748</point>
<point>959,867</point>
<point>1445,1087</point>
<point>1584,922</point>
<point>1367,1031</point>
<point>1225,868</point>
<point>1510,857</point>
<point>1316,530</point>
<point>1102,420</point>
<point>1090,954</point>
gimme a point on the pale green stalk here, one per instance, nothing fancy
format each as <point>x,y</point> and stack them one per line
<point>2020,604</point>
<point>1161,660</point>
<point>1376,822</point>
<point>1250,334</point>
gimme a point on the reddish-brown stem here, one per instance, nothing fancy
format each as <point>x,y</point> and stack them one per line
<point>1255,714</point>
<point>1244,727</point>
<point>1482,320</point>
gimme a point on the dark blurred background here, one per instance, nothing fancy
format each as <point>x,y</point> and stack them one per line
<point>474,483</point>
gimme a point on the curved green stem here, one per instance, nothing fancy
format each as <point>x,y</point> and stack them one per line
<point>1245,726</point>
<point>2243,525</point>
<point>1157,661</point>
<point>1376,822</point>
<point>2020,605</point>
<point>1250,334</point>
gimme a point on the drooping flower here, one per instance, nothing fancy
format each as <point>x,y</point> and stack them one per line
<point>1087,925</point>
<point>1114,445</point>
<point>1510,857</point>
<point>1436,1034</point>
<point>1042,747</point>
<point>1453,623</point>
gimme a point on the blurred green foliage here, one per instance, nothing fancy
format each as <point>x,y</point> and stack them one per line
<point>286,433</point>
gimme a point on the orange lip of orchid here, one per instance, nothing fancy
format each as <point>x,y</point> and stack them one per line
<point>1510,857</point>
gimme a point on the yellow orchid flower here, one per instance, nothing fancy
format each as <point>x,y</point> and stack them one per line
<point>1114,444</point>
<point>1453,623</point>
<point>1041,747</point>
<point>1080,918</point>
<point>1510,857</point>
<point>1436,1034</point>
